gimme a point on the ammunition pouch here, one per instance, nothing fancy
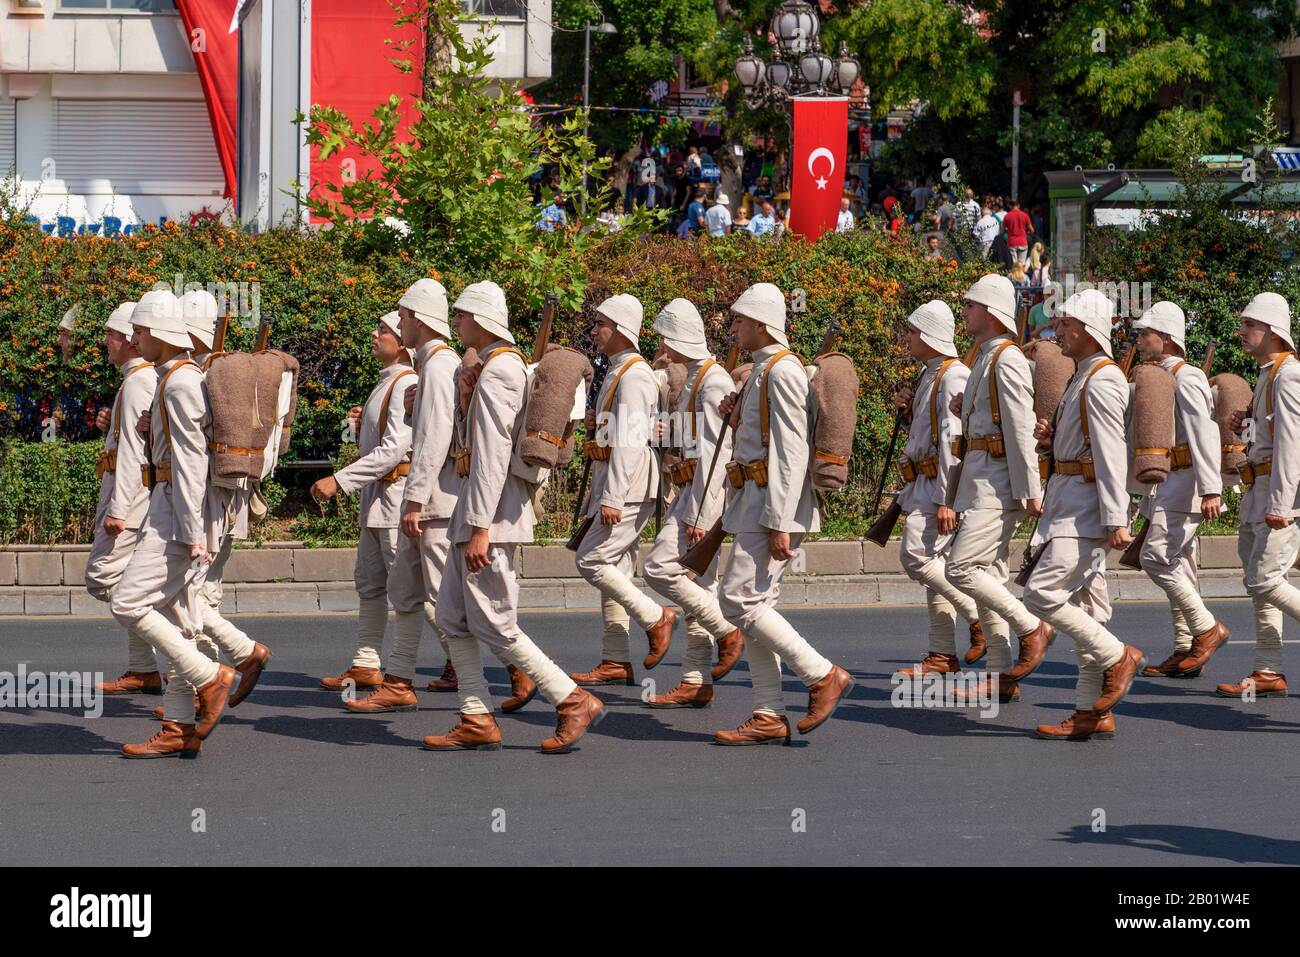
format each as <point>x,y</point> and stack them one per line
<point>151,475</point>
<point>1082,467</point>
<point>105,462</point>
<point>595,451</point>
<point>401,470</point>
<point>738,473</point>
<point>994,445</point>
<point>462,462</point>
<point>1252,472</point>
<point>1180,457</point>
<point>683,472</point>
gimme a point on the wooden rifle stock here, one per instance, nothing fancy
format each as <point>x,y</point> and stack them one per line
<point>1132,557</point>
<point>883,527</point>
<point>1027,566</point>
<point>600,368</point>
<point>1207,366</point>
<point>263,334</point>
<point>544,332</point>
<point>219,338</point>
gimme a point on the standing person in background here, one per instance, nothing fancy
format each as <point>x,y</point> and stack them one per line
<point>844,221</point>
<point>921,198</point>
<point>1040,262</point>
<point>765,221</point>
<point>986,230</point>
<point>1017,226</point>
<point>718,218</point>
<point>695,213</point>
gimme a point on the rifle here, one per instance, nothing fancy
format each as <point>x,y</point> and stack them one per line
<point>1132,555</point>
<point>263,333</point>
<point>600,370</point>
<point>700,556</point>
<point>544,331</point>
<point>219,337</point>
<point>1208,363</point>
<point>883,527</point>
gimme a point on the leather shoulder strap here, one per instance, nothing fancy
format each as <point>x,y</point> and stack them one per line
<point>115,425</point>
<point>1083,397</point>
<point>709,363</point>
<point>504,350</point>
<point>1279,360</point>
<point>383,412</point>
<point>613,386</point>
<point>162,403</point>
<point>1178,365</point>
<point>763,411</point>
<point>934,399</point>
<point>993,383</point>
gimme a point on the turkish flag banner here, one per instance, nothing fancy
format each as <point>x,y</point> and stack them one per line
<point>821,139</point>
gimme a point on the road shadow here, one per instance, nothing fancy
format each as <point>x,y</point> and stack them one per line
<point>346,729</point>
<point>1233,846</point>
<point>46,738</point>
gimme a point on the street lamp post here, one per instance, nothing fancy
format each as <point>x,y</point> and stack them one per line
<point>589,28</point>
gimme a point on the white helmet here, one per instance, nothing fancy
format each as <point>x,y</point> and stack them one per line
<point>1166,317</point>
<point>486,302</point>
<point>935,322</point>
<point>765,303</point>
<point>1272,310</point>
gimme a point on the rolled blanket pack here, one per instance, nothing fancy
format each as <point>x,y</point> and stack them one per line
<point>835,390</point>
<point>291,367</point>
<point>244,392</point>
<point>1232,394</point>
<point>556,380</point>
<point>1052,371</point>
<point>1153,423</point>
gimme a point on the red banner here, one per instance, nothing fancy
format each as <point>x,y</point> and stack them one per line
<point>216,54</point>
<point>821,135</point>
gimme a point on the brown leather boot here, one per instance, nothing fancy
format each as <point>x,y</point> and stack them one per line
<point>1118,678</point>
<point>1265,684</point>
<point>1079,727</point>
<point>448,680</point>
<point>606,673</point>
<point>1006,690</point>
<point>361,677</point>
<point>683,696</point>
<point>395,694</point>
<point>1203,648</point>
<point>577,713</point>
<point>198,709</point>
<point>522,690</point>
<point>212,699</point>
<point>824,697</point>
<point>978,647</point>
<point>761,728</point>
<point>729,649</point>
<point>133,682</point>
<point>474,732</point>
<point>1032,648</point>
<point>1169,667</point>
<point>934,663</point>
<point>250,669</point>
<point>661,636</point>
<point>180,740</point>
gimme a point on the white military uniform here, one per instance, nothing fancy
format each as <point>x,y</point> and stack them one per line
<point>482,605</point>
<point>751,578</point>
<point>699,504</point>
<point>374,473</point>
<point>418,566</point>
<point>1173,509</point>
<point>626,411</point>
<point>993,492</point>
<point>924,551</point>
<point>123,494</point>
<point>1068,585</point>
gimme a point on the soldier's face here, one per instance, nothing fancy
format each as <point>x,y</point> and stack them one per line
<point>1150,345</point>
<point>1254,336</point>
<point>602,333</point>
<point>65,344</point>
<point>145,344</point>
<point>976,316</point>
<point>1074,338</point>
<point>117,346</point>
<point>466,328</point>
<point>384,345</point>
<point>915,345</point>
<point>409,325</point>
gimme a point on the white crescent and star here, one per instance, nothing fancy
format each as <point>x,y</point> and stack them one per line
<point>812,158</point>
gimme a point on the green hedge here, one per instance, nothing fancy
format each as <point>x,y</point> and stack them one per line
<point>48,491</point>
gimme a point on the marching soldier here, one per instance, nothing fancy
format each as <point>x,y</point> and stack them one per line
<point>1268,537</point>
<point>123,496</point>
<point>624,488</point>
<point>927,460</point>
<point>479,595</point>
<point>200,308</point>
<point>697,506</point>
<point>380,471</point>
<point>430,497</point>
<point>1191,492</point>
<point>999,482</point>
<point>174,536</point>
<point>1085,512</point>
<point>770,510</point>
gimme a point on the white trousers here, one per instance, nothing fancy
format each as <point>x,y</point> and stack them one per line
<point>376,549</point>
<point>1068,590</point>
<point>1267,554</point>
<point>607,559</point>
<point>219,635</point>
<point>978,566</point>
<point>1169,559</point>
<point>482,606</point>
<point>924,553</point>
<point>108,560</point>
<point>413,583</point>
<point>698,597</point>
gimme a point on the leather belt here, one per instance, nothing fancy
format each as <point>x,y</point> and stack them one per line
<point>595,451</point>
<point>1082,467</point>
<point>221,448</point>
<point>738,473</point>
<point>1180,457</point>
<point>994,445</point>
<point>555,440</point>
<point>151,475</point>
<point>1251,471</point>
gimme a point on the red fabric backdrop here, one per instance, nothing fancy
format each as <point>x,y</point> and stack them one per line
<point>218,69</point>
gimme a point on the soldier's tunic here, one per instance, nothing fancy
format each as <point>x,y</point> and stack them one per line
<point>416,575</point>
<point>1173,509</point>
<point>377,476</point>
<point>924,551</point>
<point>628,481</point>
<point>993,492</point>
<point>751,578</point>
<point>1068,585</point>
<point>701,505</point>
<point>482,605</point>
<point>123,494</point>
<point>160,574</point>
<point>1266,553</point>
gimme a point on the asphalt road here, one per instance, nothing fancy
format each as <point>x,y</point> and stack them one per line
<point>289,778</point>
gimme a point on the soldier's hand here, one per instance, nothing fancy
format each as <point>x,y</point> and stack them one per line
<point>114,527</point>
<point>408,399</point>
<point>1211,506</point>
<point>410,520</point>
<point>661,431</point>
<point>1277,521</point>
<point>727,404</point>
<point>323,490</point>
<point>955,405</point>
<point>476,552</point>
<point>1043,433</point>
<point>143,423</point>
<point>693,534</point>
<point>778,544</point>
<point>199,553</point>
<point>903,398</point>
<point>946,519</point>
<point>103,419</point>
<point>1238,420</point>
<point>589,422</point>
<point>1120,538</point>
<point>610,516</point>
<point>468,379</point>
<point>354,418</point>
<point>1034,507</point>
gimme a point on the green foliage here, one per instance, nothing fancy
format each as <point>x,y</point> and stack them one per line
<point>48,491</point>
<point>336,522</point>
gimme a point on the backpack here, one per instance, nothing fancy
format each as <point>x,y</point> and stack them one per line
<point>253,398</point>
